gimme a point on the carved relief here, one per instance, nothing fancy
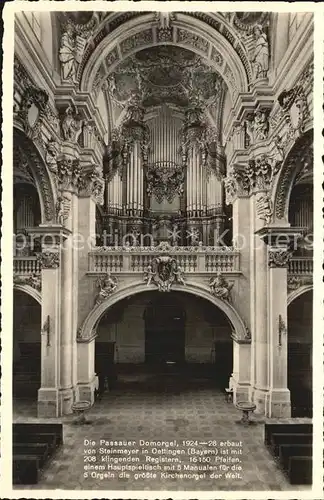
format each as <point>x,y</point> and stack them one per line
<point>35,281</point>
<point>49,259</point>
<point>237,184</point>
<point>107,285</point>
<point>26,155</point>
<point>220,288</point>
<point>187,38</point>
<point>295,108</point>
<point>63,206</point>
<point>91,183</point>
<point>163,272</point>
<point>69,173</point>
<point>257,126</point>
<point>32,110</point>
<point>144,37</point>
<point>295,282</point>
<point>264,208</point>
<point>51,154</point>
<point>278,257</point>
<point>165,180</point>
<point>217,57</point>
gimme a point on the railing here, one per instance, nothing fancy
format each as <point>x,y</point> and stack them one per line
<point>190,259</point>
<point>300,266</point>
<point>25,266</point>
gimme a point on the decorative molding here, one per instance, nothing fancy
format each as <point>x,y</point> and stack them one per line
<point>163,272</point>
<point>32,110</point>
<point>299,158</point>
<point>49,259</point>
<point>28,158</point>
<point>278,257</point>
<point>199,43</point>
<point>91,183</point>
<point>264,208</point>
<point>140,39</point>
<point>34,280</point>
<point>220,288</point>
<point>63,207</point>
<point>69,173</point>
<point>296,282</point>
<point>107,285</point>
<point>165,180</point>
<point>257,126</point>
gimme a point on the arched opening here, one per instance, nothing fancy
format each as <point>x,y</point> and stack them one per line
<point>27,214</point>
<point>300,354</point>
<point>165,323</point>
<point>26,348</point>
<point>154,334</point>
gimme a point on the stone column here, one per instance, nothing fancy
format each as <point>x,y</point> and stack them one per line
<point>90,193</point>
<point>278,403</point>
<point>50,401</point>
<point>240,379</point>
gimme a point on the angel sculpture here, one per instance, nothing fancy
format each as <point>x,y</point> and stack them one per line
<point>220,288</point>
<point>107,285</point>
<point>178,273</point>
<point>148,274</point>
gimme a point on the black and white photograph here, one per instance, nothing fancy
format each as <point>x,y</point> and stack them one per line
<point>163,182</point>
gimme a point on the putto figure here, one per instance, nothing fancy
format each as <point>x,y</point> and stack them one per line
<point>260,58</point>
<point>107,286</point>
<point>220,287</point>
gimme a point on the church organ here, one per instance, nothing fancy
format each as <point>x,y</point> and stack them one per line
<point>164,166</point>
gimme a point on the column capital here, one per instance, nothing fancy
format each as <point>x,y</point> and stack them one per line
<point>280,237</point>
<point>278,257</point>
<point>50,235</point>
<point>92,184</point>
<point>49,259</point>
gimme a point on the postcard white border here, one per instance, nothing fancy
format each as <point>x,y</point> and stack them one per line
<point>7,256</point>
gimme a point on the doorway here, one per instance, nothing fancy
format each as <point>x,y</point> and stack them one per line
<point>164,331</point>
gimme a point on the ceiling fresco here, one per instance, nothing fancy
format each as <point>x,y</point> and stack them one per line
<point>164,74</point>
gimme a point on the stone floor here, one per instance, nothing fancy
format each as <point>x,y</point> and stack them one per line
<point>166,409</point>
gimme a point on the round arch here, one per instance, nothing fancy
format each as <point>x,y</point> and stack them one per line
<point>297,293</point>
<point>88,329</point>
<point>28,154</point>
<point>29,290</point>
<point>299,156</point>
<point>188,32</point>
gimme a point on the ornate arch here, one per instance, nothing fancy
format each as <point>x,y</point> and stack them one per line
<point>28,157</point>
<point>29,290</point>
<point>297,293</point>
<point>87,331</point>
<point>298,159</point>
<point>186,31</point>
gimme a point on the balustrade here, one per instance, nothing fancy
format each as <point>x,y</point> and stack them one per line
<point>24,266</point>
<point>300,266</point>
<point>191,259</point>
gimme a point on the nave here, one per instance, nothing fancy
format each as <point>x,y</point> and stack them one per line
<point>195,411</point>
